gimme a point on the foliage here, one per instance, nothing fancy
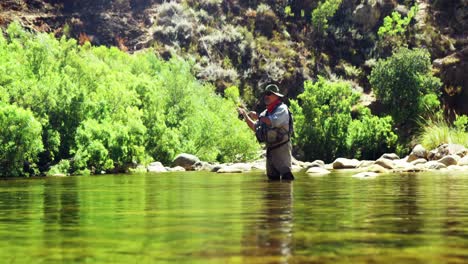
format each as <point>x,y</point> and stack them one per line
<point>370,136</point>
<point>394,29</point>
<point>395,25</point>
<point>461,123</point>
<point>436,131</point>
<point>20,140</point>
<point>405,85</point>
<point>105,110</point>
<point>325,128</point>
<point>323,12</point>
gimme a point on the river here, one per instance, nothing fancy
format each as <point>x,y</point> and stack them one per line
<point>195,217</point>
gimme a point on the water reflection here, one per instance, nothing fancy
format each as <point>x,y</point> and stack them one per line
<point>61,220</point>
<point>406,205</point>
<point>271,234</point>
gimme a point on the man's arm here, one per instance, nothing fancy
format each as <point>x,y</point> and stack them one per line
<point>250,122</point>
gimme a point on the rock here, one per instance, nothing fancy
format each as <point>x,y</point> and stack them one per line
<point>328,166</point>
<point>187,161</point>
<point>418,161</point>
<point>431,155</point>
<point>367,15</point>
<point>296,168</point>
<point>365,174</point>
<point>229,169</point>
<point>156,167</point>
<point>455,168</point>
<point>366,163</point>
<point>294,161</point>
<point>390,156</point>
<point>217,167</point>
<point>376,168</point>
<point>403,10</point>
<point>178,168</point>
<point>445,150</point>
<point>202,166</point>
<point>317,170</point>
<point>315,163</point>
<point>58,175</point>
<point>449,160</point>
<point>386,163</point>
<point>463,161</point>
<point>259,165</point>
<point>418,152</point>
<point>236,168</point>
<point>342,163</point>
<point>462,153</point>
<point>434,165</point>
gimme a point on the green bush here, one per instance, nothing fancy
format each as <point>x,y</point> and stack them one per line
<point>105,110</point>
<point>324,11</point>
<point>370,136</point>
<point>436,131</point>
<point>405,85</point>
<point>325,128</point>
<point>20,140</point>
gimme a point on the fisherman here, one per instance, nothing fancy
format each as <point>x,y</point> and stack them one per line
<point>274,128</point>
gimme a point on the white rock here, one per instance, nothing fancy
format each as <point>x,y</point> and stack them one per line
<point>156,167</point>
<point>463,161</point>
<point>317,170</point>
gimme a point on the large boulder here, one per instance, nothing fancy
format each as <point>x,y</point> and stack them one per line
<point>434,165</point>
<point>418,152</point>
<point>390,156</point>
<point>367,15</point>
<point>386,163</point>
<point>186,161</point>
<point>366,163</point>
<point>449,160</point>
<point>156,167</point>
<point>342,163</point>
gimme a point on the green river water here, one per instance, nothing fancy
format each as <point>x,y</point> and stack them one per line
<point>235,218</point>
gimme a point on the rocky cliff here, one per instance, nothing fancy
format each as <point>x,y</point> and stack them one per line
<point>249,43</point>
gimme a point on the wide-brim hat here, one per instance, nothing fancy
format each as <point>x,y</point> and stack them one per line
<point>273,88</point>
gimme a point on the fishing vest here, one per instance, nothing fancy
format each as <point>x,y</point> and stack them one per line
<point>274,136</point>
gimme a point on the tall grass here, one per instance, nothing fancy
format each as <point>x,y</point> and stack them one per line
<point>437,131</point>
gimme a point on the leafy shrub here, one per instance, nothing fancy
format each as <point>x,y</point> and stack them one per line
<point>20,140</point>
<point>405,85</point>
<point>370,136</point>
<point>105,110</point>
<point>323,12</point>
<point>325,128</point>
<point>394,28</point>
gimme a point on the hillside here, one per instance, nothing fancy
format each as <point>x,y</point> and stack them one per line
<point>249,43</point>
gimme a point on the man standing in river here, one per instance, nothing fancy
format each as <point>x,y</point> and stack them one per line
<point>274,128</point>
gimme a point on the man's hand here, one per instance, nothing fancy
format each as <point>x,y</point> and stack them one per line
<point>266,120</point>
<point>241,111</point>
<point>253,115</point>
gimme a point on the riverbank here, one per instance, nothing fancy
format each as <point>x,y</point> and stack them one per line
<point>447,157</point>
